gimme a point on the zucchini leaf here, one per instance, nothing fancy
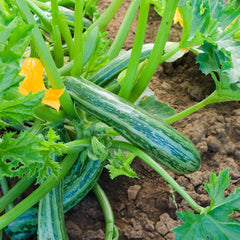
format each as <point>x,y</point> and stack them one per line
<point>119,164</point>
<point>14,38</point>
<point>221,60</point>
<point>155,108</point>
<point>215,224</point>
<point>18,110</point>
<point>29,154</point>
<point>206,19</point>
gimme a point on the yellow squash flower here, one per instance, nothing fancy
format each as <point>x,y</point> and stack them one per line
<point>177,17</point>
<point>32,70</point>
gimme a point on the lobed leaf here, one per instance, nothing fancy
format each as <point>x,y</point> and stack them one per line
<point>215,223</point>
<point>119,164</point>
<point>19,110</point>
<point>206,19</point>
<point>155,108</point>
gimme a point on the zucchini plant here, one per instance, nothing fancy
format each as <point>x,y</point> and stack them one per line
<point>67,94</point>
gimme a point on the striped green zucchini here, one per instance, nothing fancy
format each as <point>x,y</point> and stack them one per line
<point>51,217</point>
<point>158,139</point>
<point>24,226</point>
<point>107,73</point>
<point>77,183</point>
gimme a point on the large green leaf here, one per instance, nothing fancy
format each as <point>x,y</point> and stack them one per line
<point>206,19</point>
<point>215,224</point>
<point>30,154</point>
<point>18,110</point>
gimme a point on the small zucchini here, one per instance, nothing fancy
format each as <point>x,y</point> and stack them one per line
<point>158,139</point>
<point>24,226</point>
<point>76,185</point>
<point>118,64</point>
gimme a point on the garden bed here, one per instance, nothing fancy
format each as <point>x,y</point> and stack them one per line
<point>144,207</point>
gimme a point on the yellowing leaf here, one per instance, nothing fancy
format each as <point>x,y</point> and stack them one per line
<point>177,17</point>
<point>52,97</point>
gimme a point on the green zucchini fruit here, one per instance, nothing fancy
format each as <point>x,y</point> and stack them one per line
<point>51,217</point>
<point>107,73</point>
<point>76,185</point>
<point>24,226</point>
<point>158,139</point>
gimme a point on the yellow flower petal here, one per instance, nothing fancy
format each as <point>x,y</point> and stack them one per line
<point>177,17</point>
<point>32,70</point>
<point>52,97</point>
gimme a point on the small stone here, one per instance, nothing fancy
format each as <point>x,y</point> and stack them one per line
<point>170,236</point>
<point>233,168</point>
<point>202,147</point>
<point>195,178</point>
<point>236,112</point>
<point>213,143</point>
<point>133,191</point>
<point>195,93</point>
<point>169,222</point>
<point>149,225</point>
<point>161,228</point>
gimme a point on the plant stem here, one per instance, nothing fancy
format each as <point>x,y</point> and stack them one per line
<point>130,77</point>
<point>57,46</point>
<point>78,39</point>
<point>41,191</point>
<point>65,31</point>
<point>4,187</point>
<point>42,5</point>
<point>77,145</point>
<point>47,59</point>
<point>210,99</point>
<point>15,191</point>
<point>39,12</point>
<point>123,30</point>
<point>107,211</point>
<point>148,160</point>
<point>107,16</point>
<point>161,39</point>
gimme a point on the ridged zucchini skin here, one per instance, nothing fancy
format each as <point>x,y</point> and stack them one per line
<point>118,64</point>
<point>24,226</point>
<point>79,181</point>
<point>158,139</point>
<point>76,185</point>
<point>51,217</point>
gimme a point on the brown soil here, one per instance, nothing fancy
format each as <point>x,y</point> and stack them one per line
<point>144,207</point>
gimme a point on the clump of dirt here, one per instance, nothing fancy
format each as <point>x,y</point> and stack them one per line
<point>145,208</point>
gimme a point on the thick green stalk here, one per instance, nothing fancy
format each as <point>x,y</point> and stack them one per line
<point>57,45</point>
<point>4,187</point>
<point>210,99</point>
<point>123,30</point>
<point>65,31</point>
<point>78,39</point>
<point>130,77</point>
<point>39,12</point>
<point>77,145</point>
<point>41,191</point>
<point>15,191</point>
<point>47,59</point>
<point>157,52</point>
<point>148,160</point>
<point>107,16</point>
<point>42,5</point>
<point>107,211</point>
